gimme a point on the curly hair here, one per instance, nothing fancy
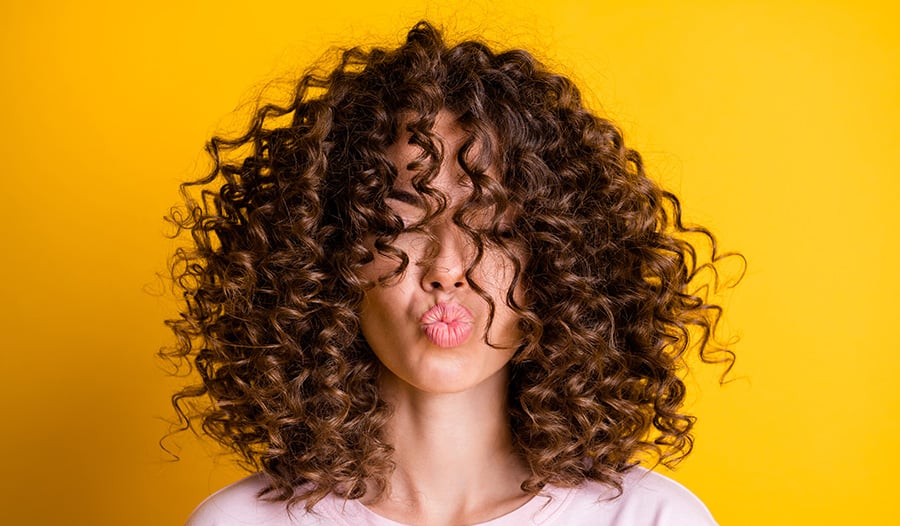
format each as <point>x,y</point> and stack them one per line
<point>284,222</point>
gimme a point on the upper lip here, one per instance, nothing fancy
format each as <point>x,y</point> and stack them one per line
<point>446,311</point>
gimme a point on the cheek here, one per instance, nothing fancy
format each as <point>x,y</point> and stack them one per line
<point>390,293</point>
<point>377,269</point>
<point>386,264</point>
<point>496,274</point>
<point>382,318</point>
<point>381,266</point>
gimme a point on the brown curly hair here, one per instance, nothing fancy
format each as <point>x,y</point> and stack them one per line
<point>284,222</point>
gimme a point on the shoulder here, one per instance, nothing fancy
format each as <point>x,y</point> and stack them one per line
<point>647,498</point>
<point>239,504</point>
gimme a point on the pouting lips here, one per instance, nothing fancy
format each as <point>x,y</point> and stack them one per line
<point>447,324</point>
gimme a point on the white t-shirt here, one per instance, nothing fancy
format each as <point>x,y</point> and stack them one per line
<point>648,499</point>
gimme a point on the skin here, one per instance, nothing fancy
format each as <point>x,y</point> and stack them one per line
<point>453,447</point>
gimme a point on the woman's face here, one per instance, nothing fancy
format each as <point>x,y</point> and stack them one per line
<point>428,325</point>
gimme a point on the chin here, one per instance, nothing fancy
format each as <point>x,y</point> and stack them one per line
<point>442,376</point>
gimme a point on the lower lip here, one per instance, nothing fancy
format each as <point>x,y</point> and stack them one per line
<point>447,324</point>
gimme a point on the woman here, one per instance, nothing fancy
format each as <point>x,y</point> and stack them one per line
<point>435,289</point>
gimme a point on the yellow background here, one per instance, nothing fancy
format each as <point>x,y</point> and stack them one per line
<point>778,125</point>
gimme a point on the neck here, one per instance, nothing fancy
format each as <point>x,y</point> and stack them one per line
<point>455,462</point>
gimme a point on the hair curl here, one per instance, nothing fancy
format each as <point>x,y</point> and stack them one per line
<point>272,289</point>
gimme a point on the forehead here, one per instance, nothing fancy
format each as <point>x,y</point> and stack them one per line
<point>449,137</point>
<point>447,132</point>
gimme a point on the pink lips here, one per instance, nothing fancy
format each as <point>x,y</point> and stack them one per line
<point>447,324</point>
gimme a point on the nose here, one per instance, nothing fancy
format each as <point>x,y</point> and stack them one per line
<point>444,269</point>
